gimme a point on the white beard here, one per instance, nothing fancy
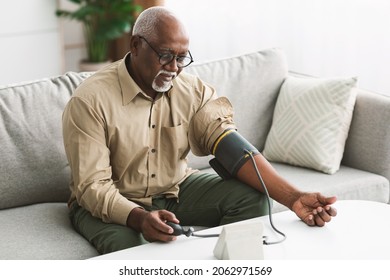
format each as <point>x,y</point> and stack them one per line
<point>166,85</point>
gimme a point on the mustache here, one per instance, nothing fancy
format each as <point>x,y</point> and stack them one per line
<point>165,72</point>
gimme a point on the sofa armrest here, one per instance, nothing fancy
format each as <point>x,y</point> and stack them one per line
<point>368,144</point>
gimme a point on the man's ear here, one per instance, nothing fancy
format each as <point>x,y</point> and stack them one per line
<point>134,44</point>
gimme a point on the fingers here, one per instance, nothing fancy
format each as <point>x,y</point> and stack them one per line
<point>153,235</point>
<point>323,215</point>
<point>331,210</point>
<point>154,227</point>
<point>166,215</point>
<point>310,220</point>
<point>329,200</point>
<point>320,218</point>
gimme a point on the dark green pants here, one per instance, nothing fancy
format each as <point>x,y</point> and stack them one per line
<point>204,200</point>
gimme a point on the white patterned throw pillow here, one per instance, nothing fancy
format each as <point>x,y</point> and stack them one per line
<point>311,122</point>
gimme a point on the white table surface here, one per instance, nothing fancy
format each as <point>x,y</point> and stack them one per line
<point>361,231</point>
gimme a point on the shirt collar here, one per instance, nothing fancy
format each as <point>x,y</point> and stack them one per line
<point>129,87</point>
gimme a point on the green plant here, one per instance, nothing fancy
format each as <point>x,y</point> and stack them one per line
<point>103,21</point>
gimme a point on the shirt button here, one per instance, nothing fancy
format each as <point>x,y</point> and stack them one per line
<point>153,150</point>
<point>153,175</point>
<point>153,125</point>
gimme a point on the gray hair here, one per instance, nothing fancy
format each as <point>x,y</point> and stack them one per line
<point>147,21</point>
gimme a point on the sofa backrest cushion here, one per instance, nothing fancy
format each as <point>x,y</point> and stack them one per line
<point>33,165</point>
<point>368,143</point>
<point>252,83</point>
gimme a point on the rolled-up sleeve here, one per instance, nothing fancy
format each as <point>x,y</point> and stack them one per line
<point>89,160</point>
<point>208,124</point>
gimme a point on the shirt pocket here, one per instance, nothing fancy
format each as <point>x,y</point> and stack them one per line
<point>174,142</point>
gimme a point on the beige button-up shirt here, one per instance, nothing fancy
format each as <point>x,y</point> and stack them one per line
<point>123,147</point>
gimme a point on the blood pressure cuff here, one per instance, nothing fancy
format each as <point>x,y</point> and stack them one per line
<point>231,152</point>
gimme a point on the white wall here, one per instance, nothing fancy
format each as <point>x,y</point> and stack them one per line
<point>320,37</point>
<point>29,40</point>
<point>73,39</point>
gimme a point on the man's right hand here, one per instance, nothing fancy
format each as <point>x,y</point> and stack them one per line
<point>152,224</point>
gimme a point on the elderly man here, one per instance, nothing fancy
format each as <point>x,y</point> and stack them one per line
<point>127,131</point>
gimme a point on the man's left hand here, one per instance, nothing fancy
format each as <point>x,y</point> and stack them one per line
<point>315,209</point>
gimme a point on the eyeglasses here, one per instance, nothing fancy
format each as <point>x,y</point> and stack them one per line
<point>166,58</point>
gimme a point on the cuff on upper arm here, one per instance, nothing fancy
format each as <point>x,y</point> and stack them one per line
<point>208,124</point>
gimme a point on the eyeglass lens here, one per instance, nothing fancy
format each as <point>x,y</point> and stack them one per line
<point>164,59</point>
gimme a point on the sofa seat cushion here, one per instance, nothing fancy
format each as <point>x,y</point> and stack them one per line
<point>347,183</point>
<point>40,232</point>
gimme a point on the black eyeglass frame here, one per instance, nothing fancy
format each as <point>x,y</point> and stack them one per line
<point>161,56</point>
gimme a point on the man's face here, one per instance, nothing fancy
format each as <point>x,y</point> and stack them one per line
<point>156,71</point>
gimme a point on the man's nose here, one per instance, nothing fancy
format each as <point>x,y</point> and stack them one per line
<point>172,66</point>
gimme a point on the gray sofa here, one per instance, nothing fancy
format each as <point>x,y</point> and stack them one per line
<point>35,174</point>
